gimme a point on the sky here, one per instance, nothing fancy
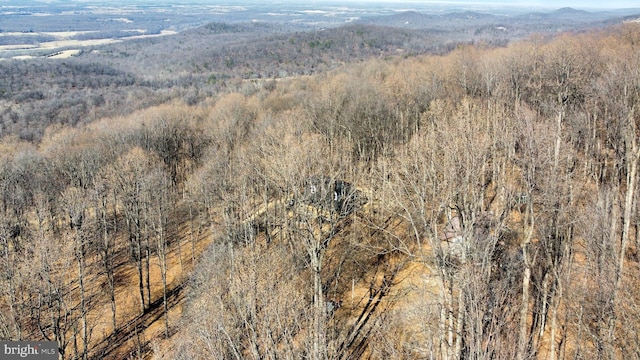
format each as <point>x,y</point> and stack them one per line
<point>582,4</point>
<point>553,4</point>
<point>536,3</point>
<point>576,4</point>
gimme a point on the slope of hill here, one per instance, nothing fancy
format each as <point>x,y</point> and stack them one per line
<point>199,62</point>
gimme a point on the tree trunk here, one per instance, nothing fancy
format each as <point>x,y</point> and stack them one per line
<point>162,258</point>
<point>605,331</point>
<point>83,302</point>
<point>138,249</point>
<point>191,237</point>
<point>545,303</point>
<point>556,149</point>
<point>632,174</point>
<point>459,326</point>
<point>524,312</point>
<point>319,346</point>
<point>523,337</point>
<point>444,311</point>
<point>147,265</point>
<point>108,261</point>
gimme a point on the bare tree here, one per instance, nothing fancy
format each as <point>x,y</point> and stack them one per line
<point>103,196</point>
<point>158,185</point>
<point>76,206</point>
<point>128,176</point>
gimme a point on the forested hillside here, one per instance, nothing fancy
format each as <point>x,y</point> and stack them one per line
<point>193,65</point>
<point>480,203</point>
<point>230,54</point>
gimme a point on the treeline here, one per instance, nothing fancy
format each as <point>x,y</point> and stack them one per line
<point>263,50</point>
<point>496,213</point>
<point>266,51</point>
<point>121,78</point>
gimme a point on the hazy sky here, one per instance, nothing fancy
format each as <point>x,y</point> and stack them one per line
<point>574,3</point>
<point>584,4</point>
<point>542,3</point>
<point>553,4</point>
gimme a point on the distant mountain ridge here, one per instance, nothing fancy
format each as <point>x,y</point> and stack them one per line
<point>570,11</point>
<point>543,21</point>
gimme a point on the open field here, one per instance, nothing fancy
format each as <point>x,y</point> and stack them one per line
<point>64,46</point>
